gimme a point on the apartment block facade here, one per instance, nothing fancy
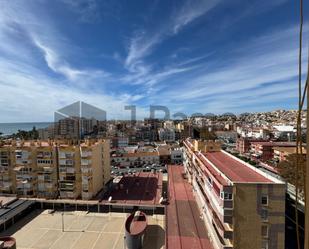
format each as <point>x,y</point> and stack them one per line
<point>69,160</point>
<point>95,168</point>
<point>242,206</point>
<point>47,170</point>
<point>7,181</point>
<point>54,169</point>
<point>25,169</point>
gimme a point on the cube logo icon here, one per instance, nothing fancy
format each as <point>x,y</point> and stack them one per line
<point>79,120</point>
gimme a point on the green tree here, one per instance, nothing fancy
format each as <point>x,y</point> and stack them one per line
<point>287,170</point>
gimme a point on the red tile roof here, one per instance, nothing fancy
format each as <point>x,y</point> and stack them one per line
<point>233,169</point>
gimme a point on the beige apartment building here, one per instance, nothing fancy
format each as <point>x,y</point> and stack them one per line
<point>242,206</point>
<point>69,161</point>
<point>25,168</point>
<point>46,159</point>
<point>51,169</point>
<point>7,177</point>
<point>95,167</point>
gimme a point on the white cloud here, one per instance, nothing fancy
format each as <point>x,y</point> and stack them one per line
<point>143,43</point>
<point>59,65</point>
<point>86,9</point>
<point>29,91</point>
<point>191,11</point>
<point>264,70</point>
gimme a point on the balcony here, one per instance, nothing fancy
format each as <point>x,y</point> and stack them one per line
<point>85,162</point>
<point>86,170</point>
<point>48,169</point>
<point>66,162</point>
<point>67,194</point>
<point>67,186</point>
<point>66,155</point>
<point>23,161</point>
<point>24,185</point>
<point>5,185</point>
<point>86,154</point>
<point>64,171</point>
<point>4,169</point>
<point>87,195</point>
<point>44,154</point>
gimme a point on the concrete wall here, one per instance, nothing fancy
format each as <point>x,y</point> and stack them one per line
<point>247,215</point>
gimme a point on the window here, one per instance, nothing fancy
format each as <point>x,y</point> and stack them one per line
<point>264,231</point>
<point>264,200</point>
<point>226,196</point>
<point>264,214</point>
<point>264,244</point>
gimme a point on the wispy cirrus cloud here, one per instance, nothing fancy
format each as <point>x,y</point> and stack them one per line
<point>143,42</point>
<point>190,11</point>
<point>86,9</point>
<point>263,71</point>
<point>31,39</point>
<point>54,56</point>
<point>58,65</point>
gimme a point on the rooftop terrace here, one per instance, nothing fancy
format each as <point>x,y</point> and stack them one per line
<point>185,228</point>
<point>142,188</point>
<point>81,230</point>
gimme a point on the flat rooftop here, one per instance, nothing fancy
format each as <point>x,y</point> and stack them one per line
<point>270,143</point>
<point>142,188</point>
<point>81,230</point>
<point>235,170</point>
<point>185,228</point>
<point>4,200</point>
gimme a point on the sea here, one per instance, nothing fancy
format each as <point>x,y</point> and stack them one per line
<point>11,128</point>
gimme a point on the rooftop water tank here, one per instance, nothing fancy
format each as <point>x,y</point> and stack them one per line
<point>135,228</point>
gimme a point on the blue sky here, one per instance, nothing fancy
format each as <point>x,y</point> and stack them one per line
<point>189,55</point>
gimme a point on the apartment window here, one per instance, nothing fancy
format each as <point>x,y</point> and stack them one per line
<point>265,244</point>
<point>264,231</point>
<point>264,200</point>
<point>226,196</point>
<point>264,214</point>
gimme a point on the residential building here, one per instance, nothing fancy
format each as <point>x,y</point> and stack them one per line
<point>164,154</point>
<point>135,159</point>
<point>176,155</point>
<point>264,151</point>
<point>119,142</point>
<point>25,169</point>
<point>235,198</point>
<point>285,132</point>
<point>281,153</point>
<point>243,144</point>
<point>69,161</point>
<point>51,169</point>
<point>95,168</point>
<point>166,134</point>
<point>7,177</point>
<point>47,169</point>
<point>46,133</point>
<point>68,128</point>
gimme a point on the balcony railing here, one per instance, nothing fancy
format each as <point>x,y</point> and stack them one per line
<point>86,154</point>
<point>85,162</point>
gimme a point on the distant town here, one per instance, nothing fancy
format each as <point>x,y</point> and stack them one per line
<point>226,160</point>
